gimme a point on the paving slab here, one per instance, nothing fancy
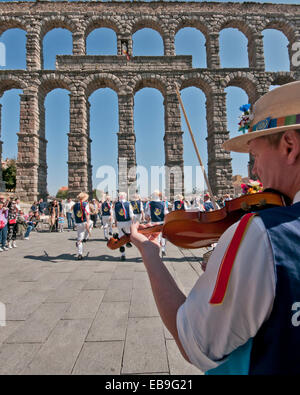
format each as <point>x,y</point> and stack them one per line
<point>96,316</point>
<point>118,291</point>
<point>33,273</point>
<point>59,353</point>
<point>52,280</point>
<point>98,281</point>
<point>9,328</point>
<point>110,323</point>
<point>15,357</point>
<point>123,273</point>
<point>25,306</point>
<point>66,292</point>
<point>100,358</point>
<point>106,266</point>
<point>15,291</point>
<point>145,347</point>
<point>143,303</point>
<point>80,273</point>
<point>85,305</point>
<point>39,325</point>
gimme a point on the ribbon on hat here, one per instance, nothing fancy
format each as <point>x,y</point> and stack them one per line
<point>270,123</point>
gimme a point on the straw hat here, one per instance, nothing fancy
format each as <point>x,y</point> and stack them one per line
<point>156,194</point>
<point>83,196</point>
<point>122,195</point>
<point>276,111</point>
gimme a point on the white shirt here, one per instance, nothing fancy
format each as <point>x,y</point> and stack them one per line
<point>68,206</point>
<point>210,332</point>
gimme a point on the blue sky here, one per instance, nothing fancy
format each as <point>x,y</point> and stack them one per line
<point>148,109</point>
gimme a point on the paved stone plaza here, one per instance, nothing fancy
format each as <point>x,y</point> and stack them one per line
<point>96,316</point>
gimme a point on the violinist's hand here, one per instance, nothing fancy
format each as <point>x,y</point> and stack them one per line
<point>145,243</point>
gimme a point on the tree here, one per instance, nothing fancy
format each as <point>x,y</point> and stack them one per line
<point>62,194</point>
<point>9,175</point>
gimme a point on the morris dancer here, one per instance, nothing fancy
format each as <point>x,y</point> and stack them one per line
<point>123,217</point>
<point>107,216</point>
<point>242,315</point>
<point>155,213</point>
<point>137,207</point>
<point>179,203</point>
<point>82,219</point>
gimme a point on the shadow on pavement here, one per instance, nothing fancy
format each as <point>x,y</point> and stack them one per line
<point>89,240</point>
<point>73,257</point>
<point>100,258</point>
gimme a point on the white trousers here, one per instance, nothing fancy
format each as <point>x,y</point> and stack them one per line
<point>137,218</point>
<point>107,224</point>
<point>82,233</point>
<point>161,240</point>
<point>123,226</point>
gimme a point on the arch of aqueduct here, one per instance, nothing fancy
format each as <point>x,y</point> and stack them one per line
<point>82,74</point>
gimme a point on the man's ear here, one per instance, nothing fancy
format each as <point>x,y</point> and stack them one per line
<point>290,143</point>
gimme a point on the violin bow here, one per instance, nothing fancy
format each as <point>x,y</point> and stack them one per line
<point>196,149</point>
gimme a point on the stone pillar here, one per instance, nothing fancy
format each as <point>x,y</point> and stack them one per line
<point>219,161</point>
<point>212,51</point>
<point>126,143</point>
<point>2,183</point>
<point>27,183</point>
<point>173,147</point>
<point>89,155</point>
<point>79,47</point>
<point>33,51</point>
<point>78,162</point>
<point>43,168</point>
<point>256,52</point>
<point>169,44</point>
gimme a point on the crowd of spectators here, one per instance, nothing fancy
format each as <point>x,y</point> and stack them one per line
<point>57,215</point>
<point>13,222</point>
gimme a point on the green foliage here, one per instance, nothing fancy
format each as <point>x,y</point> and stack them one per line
<point>9,175</point>
<point>62,194</point>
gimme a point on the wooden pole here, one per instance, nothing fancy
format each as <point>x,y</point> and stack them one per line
<point>196,149</point>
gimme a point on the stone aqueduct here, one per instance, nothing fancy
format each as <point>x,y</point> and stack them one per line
<point>82,75</point>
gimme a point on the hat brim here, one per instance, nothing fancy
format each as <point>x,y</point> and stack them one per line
<point>241,143</point>
<point>83,196</point>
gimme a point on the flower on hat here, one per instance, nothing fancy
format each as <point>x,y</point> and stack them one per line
<point>253,186</point>
<point>245,118</point>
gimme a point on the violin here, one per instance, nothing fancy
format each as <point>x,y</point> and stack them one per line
<point>190,229</point>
